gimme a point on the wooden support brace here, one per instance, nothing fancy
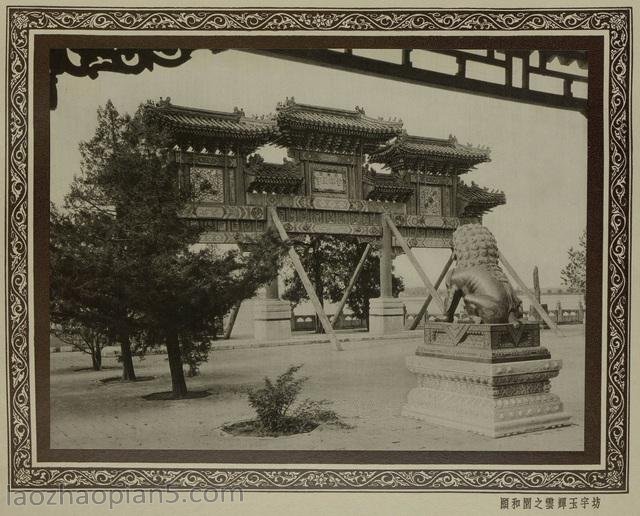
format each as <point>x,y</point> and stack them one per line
<point>425,305</point>
<point>414,262</point>
<point>232,320</point>
<point>529,294</point>
<point>350,285</point>
<point>297,264</point>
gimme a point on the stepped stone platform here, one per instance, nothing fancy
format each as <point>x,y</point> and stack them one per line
<point>491,379</point>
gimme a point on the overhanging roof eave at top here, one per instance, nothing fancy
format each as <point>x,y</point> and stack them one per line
<point>188,123</point>
<point>420,151</point>
<point>305,117</point>
<point>379,135</point>
<point>432,166</point>
<point>393,154</point>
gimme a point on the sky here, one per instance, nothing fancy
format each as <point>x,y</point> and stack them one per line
<point>538,155</point>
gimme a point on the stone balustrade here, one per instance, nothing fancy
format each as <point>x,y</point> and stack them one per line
<point>309,322</point>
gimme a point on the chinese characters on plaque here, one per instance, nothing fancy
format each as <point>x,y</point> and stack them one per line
<point>329,178</point>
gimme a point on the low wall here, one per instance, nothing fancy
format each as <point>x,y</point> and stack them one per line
<point>309,322</point>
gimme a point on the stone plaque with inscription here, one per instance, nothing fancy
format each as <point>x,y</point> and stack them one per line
<point>329,178</point>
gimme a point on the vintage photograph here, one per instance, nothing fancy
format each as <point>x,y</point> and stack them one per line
<point>319,250</point>
<point>283,250</point>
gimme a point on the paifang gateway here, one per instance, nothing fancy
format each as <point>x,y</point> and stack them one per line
<point>326,186</point>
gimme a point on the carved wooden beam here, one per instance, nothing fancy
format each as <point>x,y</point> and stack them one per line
<point>424,77</point>
<point>90,62</point>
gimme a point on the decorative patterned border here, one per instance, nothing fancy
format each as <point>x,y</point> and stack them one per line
<point>615,21</point>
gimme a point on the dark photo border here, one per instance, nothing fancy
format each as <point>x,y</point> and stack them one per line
<point>611,448</point>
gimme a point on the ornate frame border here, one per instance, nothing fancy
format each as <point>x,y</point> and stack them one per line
<point>22,20</point>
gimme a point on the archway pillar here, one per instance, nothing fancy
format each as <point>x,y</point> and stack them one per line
<point>386,313</point>
<point>271,315</point>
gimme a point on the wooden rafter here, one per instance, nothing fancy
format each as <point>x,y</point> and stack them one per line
<point>459,81</point>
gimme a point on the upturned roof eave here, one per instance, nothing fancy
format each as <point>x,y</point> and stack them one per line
<point>381,134</point>
<point>260,136</point>
<point>395,154</point>
<point>205,126</point>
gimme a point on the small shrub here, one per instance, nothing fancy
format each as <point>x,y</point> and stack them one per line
<point>272,401</point>
<point>274,405</point>
<point>315,410</point>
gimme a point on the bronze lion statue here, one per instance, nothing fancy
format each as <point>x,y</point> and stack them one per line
<point>478,280</point>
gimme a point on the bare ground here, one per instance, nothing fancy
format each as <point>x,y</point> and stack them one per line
<point>367,382</point>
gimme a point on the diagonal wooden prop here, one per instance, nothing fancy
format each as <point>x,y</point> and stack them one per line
<point>529,294</point>
<point>350,285</point>
<point>308,286</point>
<point>232,320</point>
<point>423,310</point>
<point>414,262</point>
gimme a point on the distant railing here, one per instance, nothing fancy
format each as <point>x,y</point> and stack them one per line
<point>558,315</point>
<point>567,315</point>
<point>310,322</point>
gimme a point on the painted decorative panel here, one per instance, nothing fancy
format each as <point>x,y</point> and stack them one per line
<point>431,200</point>
<point>329,217</point>
<point>209,160</point>
<point>231,173</point>
<point>319,202</point>
<point>207,183</point>
<point>329,178</point>
<point>446,201</point>
<point>428,179</point>
<point>322,157</point>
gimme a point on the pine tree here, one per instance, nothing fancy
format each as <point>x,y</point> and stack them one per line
<point>83,308</point>
<point>96,196</point>
<point>126,207</point>
<point>574,274</point>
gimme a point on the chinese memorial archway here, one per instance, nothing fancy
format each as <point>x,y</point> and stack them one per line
<point>326,187</point>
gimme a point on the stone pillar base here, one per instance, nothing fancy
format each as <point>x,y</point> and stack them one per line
<point>271,319</point>
<point>491,379</point>
<point>386,315</point>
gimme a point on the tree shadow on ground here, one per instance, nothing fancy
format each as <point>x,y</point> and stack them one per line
<point>230,388</point>
<point>103,368</point>
<point>119,380</point>
<point>216,391</point>
<point>169,395</point>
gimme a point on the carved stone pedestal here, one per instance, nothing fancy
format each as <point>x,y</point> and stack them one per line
<point>271,319</point>
<point>492,379</point>
<point>386,315</point>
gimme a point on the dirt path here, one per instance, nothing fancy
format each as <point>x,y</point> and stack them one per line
<point>367,382</point>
